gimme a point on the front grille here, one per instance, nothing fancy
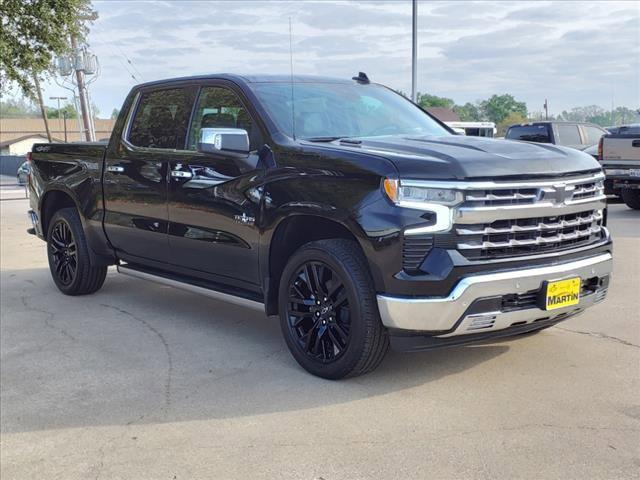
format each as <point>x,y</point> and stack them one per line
<point>414,250</point>
<point>528,195</point>
<point>525,236</point>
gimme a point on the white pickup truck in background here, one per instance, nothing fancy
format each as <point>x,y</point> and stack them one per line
<point>619,155</point>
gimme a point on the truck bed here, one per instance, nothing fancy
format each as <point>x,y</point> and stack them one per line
<point>72,170</point>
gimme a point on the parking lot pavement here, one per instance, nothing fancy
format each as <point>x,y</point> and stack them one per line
<point>141,381</point>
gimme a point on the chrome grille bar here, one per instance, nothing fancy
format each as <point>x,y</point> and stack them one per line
<point>530,228</point>
<point>539,240</point>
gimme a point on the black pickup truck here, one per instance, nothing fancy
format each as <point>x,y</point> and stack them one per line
<point>336,204</point>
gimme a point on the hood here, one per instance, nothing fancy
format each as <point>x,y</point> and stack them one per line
<point>459,157</point>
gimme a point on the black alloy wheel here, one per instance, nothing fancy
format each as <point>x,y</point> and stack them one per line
<point>64,252</point>
<point>318,312</point>
<point>69,255</point>
<point>328,310</point>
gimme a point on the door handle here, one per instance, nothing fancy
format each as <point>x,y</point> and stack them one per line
<point>181,174</point>
<point>115,169</point>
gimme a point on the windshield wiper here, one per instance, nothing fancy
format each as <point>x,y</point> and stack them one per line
<point>332,139</point>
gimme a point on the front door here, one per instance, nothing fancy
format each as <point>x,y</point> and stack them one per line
<point>136,174</point>
<point>214,201</point>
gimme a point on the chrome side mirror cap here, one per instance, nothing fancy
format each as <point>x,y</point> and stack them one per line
<point>226,141</point>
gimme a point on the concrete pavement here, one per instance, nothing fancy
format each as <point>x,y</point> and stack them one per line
<point>142,381</point>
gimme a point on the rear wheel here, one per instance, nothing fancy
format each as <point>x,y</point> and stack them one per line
<point>68,253</point>
<point>631,196</point>
<point>328,310</point>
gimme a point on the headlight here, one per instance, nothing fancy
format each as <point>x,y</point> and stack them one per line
<point>413,195</point>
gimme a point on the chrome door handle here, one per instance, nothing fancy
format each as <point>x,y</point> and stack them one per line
<point>181,174</point>
<point>115,169</point>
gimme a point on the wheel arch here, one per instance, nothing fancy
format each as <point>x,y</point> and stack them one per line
<point>52,201</point>
<point>290,234</point>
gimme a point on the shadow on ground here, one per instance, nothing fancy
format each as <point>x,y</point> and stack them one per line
<point>136,352</point>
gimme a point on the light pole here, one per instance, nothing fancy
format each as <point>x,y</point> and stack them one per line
<point>414,52</point>
<point>59,112</point>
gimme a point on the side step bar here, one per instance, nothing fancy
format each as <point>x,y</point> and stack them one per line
<point>225,297</point>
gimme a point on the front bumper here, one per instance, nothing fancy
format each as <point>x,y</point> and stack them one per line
<point>490,302</point>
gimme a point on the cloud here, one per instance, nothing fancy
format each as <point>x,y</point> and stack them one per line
<point>574,53</point>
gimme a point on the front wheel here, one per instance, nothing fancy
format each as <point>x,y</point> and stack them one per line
<point>68,253</point>
<point>328,310</point>
<point>631,196</point>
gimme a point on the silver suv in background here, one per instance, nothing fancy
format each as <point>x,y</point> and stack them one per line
<point>568,134</point>
<point>619,155</point>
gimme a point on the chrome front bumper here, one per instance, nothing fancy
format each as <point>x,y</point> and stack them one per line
<point>451,316</point>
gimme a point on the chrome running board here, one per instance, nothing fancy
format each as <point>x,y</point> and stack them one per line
<point>225,297</point>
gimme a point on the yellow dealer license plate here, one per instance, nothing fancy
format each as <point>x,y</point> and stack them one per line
<point>562,293</point>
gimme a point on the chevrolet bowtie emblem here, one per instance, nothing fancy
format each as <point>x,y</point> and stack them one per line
<point>562,194</point>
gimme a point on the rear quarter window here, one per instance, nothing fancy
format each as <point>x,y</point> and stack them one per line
<point>529,133</point>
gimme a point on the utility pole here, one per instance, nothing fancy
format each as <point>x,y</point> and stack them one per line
<point>414,52</point>
<point>64,114</point>
<point>43,110</point>
<point>82,93</point>
<point>59,112</point>
<point>546,109</point>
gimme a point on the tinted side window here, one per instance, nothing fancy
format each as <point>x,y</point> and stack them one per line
<point>568,135</point>
<point>529,133</point>
<point>593,134</point>
<point>161,119</point>
<point>219,107</point>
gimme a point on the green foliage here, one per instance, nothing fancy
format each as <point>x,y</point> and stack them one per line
<point>69,109</point>
<point>34,32</point>
<point>115,113</point>
<point>468,112</point>
<point>18,108</point>
<point>425,100</point>
<point>498,107</point>
<point>599,116</point>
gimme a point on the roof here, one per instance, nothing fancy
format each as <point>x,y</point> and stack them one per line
<point>443,114</point>
<point>252,78</point>
<point>13,129</point>
<point>6,143</point>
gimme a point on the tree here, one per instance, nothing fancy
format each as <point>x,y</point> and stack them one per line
<point>18,108</point>
<point>69,109</point>
<point>511,119</point>
<point>33,33</point>
<point>115,113</point>
<point>498,107</point>
<point>468,112</point>
<point>426,100</point>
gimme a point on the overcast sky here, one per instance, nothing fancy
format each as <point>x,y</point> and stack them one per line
<point>573,53</point>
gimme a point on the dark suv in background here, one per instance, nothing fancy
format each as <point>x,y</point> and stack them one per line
<point>568,134</point>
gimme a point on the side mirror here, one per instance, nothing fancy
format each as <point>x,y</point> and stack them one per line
<point>232,142</point>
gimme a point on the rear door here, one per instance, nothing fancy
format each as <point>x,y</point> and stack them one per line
<point>136,173</point>
<point>214,201</point>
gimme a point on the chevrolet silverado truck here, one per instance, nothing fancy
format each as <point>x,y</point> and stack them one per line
<point>619,155</point>
<point>338,205</point>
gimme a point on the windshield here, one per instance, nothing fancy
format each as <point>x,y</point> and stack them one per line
<point>337,110</point>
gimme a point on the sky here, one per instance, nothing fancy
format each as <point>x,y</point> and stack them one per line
<point>573,53</point>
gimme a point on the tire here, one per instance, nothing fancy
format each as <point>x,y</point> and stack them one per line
<point>68,254</point>
<point>631,196</point>
<point>333,331</point>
